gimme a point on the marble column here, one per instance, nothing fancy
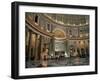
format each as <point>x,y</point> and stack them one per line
<point>36,48</point>
<point>29,45</point>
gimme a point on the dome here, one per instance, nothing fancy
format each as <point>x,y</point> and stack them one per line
<point>68,19</point>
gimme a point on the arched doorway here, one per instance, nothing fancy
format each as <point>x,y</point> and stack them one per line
<point>60,43</point>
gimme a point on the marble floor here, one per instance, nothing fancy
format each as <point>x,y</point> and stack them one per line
<point>71,61</point>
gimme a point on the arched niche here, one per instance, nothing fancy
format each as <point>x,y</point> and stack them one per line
<point>59,33</point>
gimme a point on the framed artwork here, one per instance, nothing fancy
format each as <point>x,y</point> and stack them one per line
<point>50,40</point>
